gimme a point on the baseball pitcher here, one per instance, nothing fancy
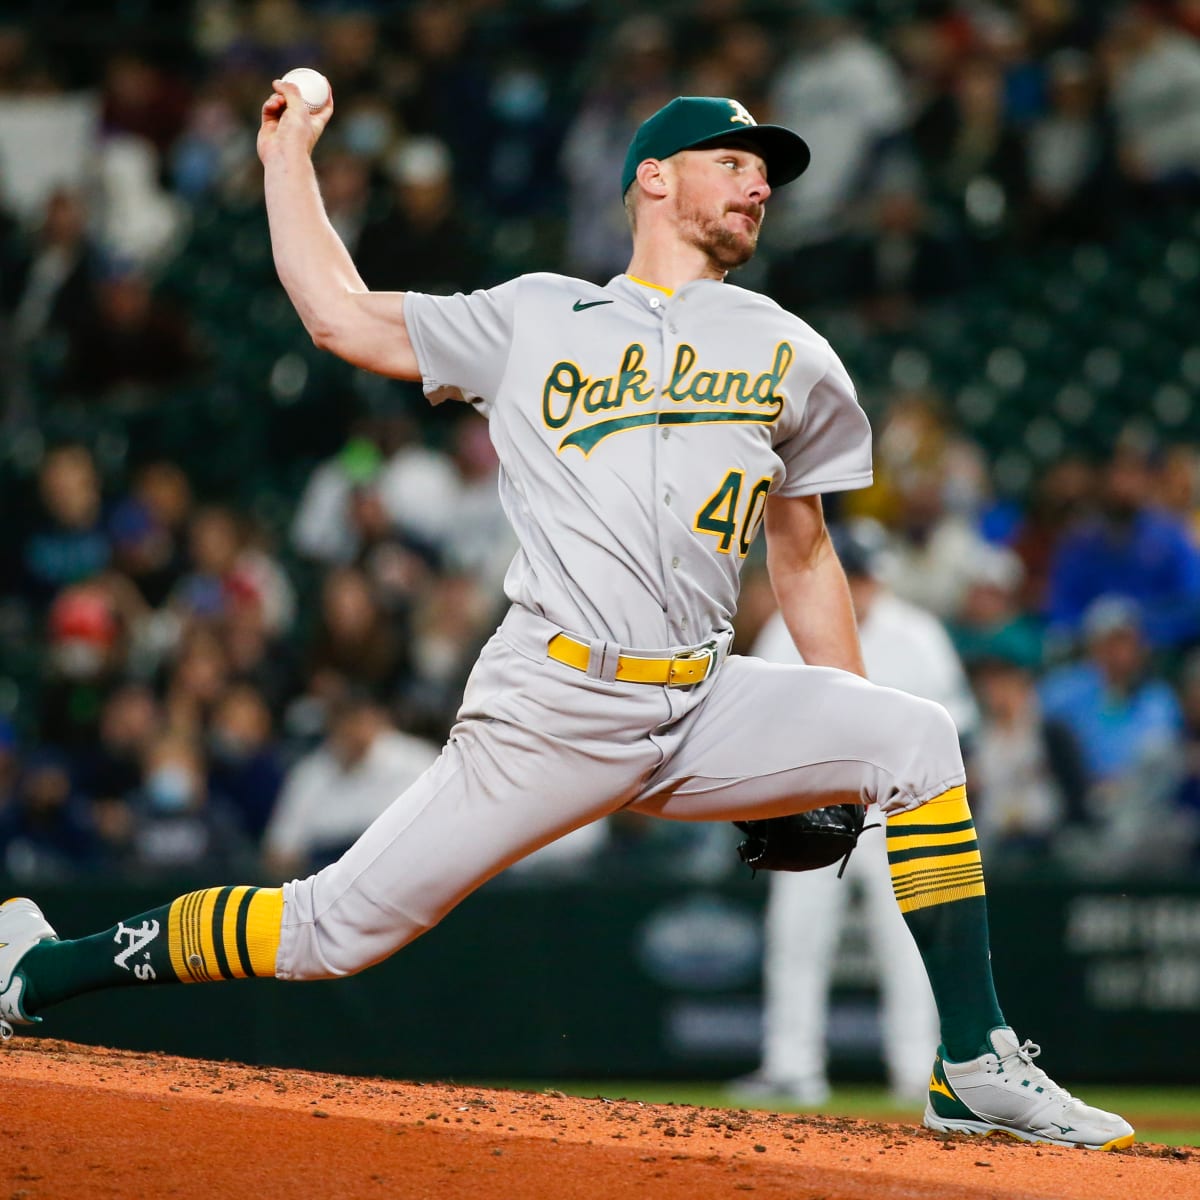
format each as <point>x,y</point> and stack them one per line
<point>646,430</point>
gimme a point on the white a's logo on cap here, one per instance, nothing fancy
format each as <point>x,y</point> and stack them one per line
<point>740,115</point>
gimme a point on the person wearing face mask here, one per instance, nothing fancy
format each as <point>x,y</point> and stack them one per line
<point>177,826</point>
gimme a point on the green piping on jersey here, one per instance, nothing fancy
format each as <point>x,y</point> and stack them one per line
<point>587,438</point>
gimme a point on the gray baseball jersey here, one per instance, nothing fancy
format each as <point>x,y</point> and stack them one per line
<point>639,434</point>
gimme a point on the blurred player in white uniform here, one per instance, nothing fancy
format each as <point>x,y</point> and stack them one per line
<point>904,647</point>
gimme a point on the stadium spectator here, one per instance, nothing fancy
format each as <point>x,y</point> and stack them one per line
<point>906,257</point>
<point>933,547</point>
<point>354,638</point>
<point>46,833</point>
<point>1120,713</point>
<point>417,485</point>
<point>1070,158</point>
<point>481,540</point>
<point>228,570</point>
<point>85,655</point>
<point>974,158</point>
<point>455,617</point>
<point>1060,498</point>
<point>67,542</point>
<point>1177,486</point>
<point>847,94</point>
<point>1026,770</point>
<point>991,621</point>
<point>637,77</point>
<point>440,83</point>
<point>130,719</point>
<point>212,155</point>
<point>267,662</point>
<point>135,347</point>
<point>331,795</point>
<point>47,281</point>
<point>423,242</point>
<point>244,763</point>
<point>1128,548</point>
<point>1154,80</point>
<point>196,678</point>
<point>345,180</point>
<point>142,98</point>
<point>178,826</point>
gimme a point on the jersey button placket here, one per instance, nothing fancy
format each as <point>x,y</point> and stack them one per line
<point>671,562</point>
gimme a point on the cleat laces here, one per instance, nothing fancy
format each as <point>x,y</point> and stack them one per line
<point>1024,1054</point>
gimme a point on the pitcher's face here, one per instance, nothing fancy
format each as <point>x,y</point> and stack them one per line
<point>720,195</point>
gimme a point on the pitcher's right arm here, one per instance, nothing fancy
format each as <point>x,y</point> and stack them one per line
<point>365,328</point>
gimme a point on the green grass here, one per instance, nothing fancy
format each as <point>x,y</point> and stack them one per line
<point>1168,1115</point>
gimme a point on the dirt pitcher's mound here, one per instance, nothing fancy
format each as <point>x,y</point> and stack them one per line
<point>82,1122</point>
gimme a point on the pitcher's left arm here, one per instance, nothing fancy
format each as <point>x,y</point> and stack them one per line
<point>810,585</point>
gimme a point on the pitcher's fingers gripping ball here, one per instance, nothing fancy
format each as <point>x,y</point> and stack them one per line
<point>314,87</point>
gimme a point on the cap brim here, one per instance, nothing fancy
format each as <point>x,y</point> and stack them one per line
<point>785,153</point>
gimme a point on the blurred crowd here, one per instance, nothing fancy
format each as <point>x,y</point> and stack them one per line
<point>190,684</point>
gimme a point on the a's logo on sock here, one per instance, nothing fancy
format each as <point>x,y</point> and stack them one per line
<point>138,939</point>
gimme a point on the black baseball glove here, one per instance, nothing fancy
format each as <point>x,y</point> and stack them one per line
<point>804,841</point>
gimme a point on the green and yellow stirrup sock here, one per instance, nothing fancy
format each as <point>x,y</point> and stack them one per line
<point>217,933</point>
<point>937,876</point>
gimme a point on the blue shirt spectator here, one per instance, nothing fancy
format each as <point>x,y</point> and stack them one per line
<point>1129,549</point>
<point>1118,713</point>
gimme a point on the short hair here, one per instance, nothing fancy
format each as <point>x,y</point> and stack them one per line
<point>629,200</point>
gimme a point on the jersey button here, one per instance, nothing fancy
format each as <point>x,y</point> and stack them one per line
<point>666,433</point>
<point>655,302</point>
<point>667,498</point>
<point>675,562</point>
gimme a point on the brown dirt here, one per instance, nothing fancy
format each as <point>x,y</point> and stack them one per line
<point>82,1122</point>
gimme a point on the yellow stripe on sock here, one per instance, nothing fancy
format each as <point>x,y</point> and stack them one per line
<point>229,925</point>
<point>944,874</point>
<point>249,931</point>
<point>944,896</point>
<point>208,949</point>
<point>175,940</point>
<point>183,938</point>
<point>264,923</point>
<point>948,808</point>
<point>939,880</point>
<point>932,862</point>
<point>908,841</point>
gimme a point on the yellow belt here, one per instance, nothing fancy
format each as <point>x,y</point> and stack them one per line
<point>682,670</point>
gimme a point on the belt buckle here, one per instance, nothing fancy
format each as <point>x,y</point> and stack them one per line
<point>706,653</point>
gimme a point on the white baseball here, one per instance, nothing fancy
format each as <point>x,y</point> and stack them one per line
<point>314,87</point>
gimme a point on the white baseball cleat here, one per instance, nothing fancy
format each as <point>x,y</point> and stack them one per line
<point>1003,1092</point>
<point>22,926</point>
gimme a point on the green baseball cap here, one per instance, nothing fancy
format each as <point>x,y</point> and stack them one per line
<point>692,122</point>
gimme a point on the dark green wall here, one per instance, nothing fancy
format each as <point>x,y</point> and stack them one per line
<point>529,980</point>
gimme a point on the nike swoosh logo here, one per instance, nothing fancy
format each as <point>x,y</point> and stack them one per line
<point>579,305</point>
